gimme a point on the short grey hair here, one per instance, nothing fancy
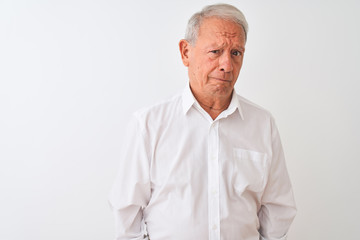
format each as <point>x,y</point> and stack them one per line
<point>222,11</point>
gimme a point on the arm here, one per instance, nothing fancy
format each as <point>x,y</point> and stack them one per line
<point>131,189</point>
<point>278,206</point>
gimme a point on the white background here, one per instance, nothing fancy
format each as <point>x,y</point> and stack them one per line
<point>71,72</point>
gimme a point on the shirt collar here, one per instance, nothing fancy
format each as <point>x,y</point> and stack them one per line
<point>188,101</point>
<point>235,104</point>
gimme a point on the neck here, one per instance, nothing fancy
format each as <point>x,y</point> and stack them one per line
<point>213,105</point>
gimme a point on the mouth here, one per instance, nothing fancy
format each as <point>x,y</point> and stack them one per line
<point>221,79</point>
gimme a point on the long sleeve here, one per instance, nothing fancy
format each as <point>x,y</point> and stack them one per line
<point>131,190</point>
<point>278,206</point>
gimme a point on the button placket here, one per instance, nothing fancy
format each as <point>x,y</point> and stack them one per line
<point>213,182</point>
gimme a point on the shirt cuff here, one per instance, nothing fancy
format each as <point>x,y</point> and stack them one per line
<point>282,238</point>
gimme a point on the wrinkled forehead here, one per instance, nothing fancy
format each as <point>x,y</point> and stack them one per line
<point>218,27</point>
<point>213,27</point>
<point>227,34</point>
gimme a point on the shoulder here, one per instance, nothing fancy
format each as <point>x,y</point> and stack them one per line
<point>251,109</point>
<point>160,110</point>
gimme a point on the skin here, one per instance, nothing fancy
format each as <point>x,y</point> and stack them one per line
<point>214,63</point>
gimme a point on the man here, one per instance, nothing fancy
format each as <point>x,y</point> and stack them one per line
<point>206,164</point>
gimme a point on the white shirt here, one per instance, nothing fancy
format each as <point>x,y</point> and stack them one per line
<point>189,177</point>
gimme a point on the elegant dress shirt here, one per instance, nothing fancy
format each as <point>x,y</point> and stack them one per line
<point>185,176</point>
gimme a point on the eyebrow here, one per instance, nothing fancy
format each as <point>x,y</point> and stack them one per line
<point>222,46</point>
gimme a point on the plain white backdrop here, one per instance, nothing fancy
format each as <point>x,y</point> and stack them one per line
<point>71,72</point>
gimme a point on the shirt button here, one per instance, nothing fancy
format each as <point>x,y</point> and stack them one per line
<point>214,227</point>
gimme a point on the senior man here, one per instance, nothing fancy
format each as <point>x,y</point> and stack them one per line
<point>206,164</point>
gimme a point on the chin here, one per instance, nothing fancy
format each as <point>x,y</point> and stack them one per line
<point>222,91</point>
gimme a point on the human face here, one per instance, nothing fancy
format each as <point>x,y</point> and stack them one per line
<point>215,60</point>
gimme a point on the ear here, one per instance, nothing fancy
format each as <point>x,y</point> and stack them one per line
<point>184,47</point>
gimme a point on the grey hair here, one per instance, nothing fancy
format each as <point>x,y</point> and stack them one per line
<point>222,11</point>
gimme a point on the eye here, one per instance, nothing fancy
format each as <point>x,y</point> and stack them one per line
<point>237,53</point>
<point>215,51</point>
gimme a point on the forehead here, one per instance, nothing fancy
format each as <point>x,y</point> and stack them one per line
<point>215,28</point>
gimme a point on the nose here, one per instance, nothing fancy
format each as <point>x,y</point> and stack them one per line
<point>225,62</point>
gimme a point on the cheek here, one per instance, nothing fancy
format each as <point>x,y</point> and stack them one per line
<point>210,66</point>
<point>202,69</point>
<point>238,66</point>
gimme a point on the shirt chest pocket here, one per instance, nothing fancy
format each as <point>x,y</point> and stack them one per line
<point>250,170</point>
